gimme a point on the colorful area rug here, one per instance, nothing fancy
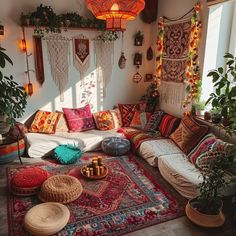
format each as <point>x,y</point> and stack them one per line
<point>128,199</point>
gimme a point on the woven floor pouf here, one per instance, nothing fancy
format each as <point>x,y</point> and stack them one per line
<point>46,218</point>
<point>28,181</point>
<point>60,188</point>
<point>115,146</point>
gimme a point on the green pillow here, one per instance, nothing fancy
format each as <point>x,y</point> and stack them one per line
<point>67,154</point>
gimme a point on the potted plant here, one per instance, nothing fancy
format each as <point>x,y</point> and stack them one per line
<point>12,99</point>
<point>216,116</point>
<point>206,209</point>
<point>224,96</point>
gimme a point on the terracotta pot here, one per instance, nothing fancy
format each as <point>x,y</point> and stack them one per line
<point>202,219</point>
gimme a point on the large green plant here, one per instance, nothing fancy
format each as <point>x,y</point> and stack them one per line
<point>224,97</point>
<point>12,96</point>
<point>214,181</point>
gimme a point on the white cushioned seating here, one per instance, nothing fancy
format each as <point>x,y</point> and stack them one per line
<point>152,150</point>
<point>181,174</point>
<point>41,145</point>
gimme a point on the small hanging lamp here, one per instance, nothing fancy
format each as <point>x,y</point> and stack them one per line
<point>115,12</point>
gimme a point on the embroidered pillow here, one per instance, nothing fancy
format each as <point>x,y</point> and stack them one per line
<point>79,119</point>
<point>168,125</point>
<point>140,119</point>
<point>44,122</point>
<point>188,134</point>
<point>104,120</point>
<point>62,125</point>
<point>116,118</point>
<point>154,121</point>
<point>217,149</point>
<point>127,112</point>
<point>202,147</point>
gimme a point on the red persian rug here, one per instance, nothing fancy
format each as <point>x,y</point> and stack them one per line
<point>132,196</point>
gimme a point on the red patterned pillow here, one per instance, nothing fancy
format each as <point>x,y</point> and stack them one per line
<point>104,120</point>
<point>127,112</point>
<point>140,119</point>
<point>79,119</point>
<point>168,125</point>
<point>44,122</point>
<point>154,121</point>
<point>203,146</point>
<point>188,134</point>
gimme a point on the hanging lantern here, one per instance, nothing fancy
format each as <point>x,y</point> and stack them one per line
<point>1,29</point>
<point>115,12</point>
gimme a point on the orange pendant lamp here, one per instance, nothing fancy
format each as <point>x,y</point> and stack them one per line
<point>115,12</point>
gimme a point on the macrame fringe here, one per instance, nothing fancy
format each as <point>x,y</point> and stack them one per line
<point>104,62</point>
<point>172,93</point>
<point>58,51</point>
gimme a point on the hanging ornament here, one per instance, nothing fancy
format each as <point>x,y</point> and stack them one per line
<point>137,77</point>
<point>149,54</point>
<point>122,60</point>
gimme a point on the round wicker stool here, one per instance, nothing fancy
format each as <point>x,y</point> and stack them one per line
<point>28,181</point>
<point>46,218</point>
<point>115,146</point>
<point>60,188</point>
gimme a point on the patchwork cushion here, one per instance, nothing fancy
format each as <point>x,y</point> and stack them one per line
<point>127,112</point>
<point>116,118</point>
<point>140,119</point>
<point>104,120</point>
<point>188,134</point>
<point>44,122</point>
<point>168,125</point>
<point>62,125</point>
<point>202,147</point>
<point>217,149</point>
<point>67,154</point>
<point>79,119</point>
<point>154,121</point>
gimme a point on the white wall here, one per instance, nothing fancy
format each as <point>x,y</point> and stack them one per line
<point>120,89</point>
<point>175,9</point>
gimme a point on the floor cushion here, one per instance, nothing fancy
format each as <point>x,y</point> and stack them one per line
<point>115,146</point>
<point>28,181</point>
<point>60,188</point>
<point>152,150</point>
<point>46,218</point>
<point>181,174</point>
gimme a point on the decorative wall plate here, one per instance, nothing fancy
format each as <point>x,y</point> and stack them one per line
<point>137,78</point>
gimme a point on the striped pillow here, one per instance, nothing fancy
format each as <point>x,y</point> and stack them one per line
<point>168,125</point>
<point>188,134</point>
<point>202,147</point>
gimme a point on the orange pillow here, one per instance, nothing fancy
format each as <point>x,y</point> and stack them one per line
<point>44,122</point>
<point>104,120</point>
<point>140,119</point>
<point>188,134</point>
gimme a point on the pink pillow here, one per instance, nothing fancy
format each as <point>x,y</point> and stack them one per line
<point>79,119</point>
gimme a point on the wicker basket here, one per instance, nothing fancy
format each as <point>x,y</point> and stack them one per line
<point>60,188</point>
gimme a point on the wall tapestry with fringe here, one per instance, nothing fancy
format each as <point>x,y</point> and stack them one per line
<point>177,68</point>
<point>58,54</point>
<point>81,54</point>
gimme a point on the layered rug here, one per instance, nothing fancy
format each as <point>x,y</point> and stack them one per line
<point>132,196</point>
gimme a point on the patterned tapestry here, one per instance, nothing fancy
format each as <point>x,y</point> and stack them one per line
<point>177,69</point>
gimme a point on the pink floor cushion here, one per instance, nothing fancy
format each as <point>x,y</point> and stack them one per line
<point>28,181</point>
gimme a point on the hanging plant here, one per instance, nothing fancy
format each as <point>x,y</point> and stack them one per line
<point>107,36</point>
<point>45,20</point>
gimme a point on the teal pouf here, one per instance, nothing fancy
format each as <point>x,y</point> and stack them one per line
<point>115,146</point>
<point>67,154</point>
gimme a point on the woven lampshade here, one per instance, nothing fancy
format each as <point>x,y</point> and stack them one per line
<point>115,12</point>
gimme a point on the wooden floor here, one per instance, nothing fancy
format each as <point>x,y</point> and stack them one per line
<point>178,227</point>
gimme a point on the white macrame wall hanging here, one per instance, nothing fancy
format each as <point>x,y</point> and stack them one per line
<point>104,62</point>
<point>58,54</point>
<point>81,54</point>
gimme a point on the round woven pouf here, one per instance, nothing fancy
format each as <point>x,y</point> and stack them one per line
<point>46,218</point>
<point>60,188</point>
<point>28,181</point>
<point>115,146</point>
